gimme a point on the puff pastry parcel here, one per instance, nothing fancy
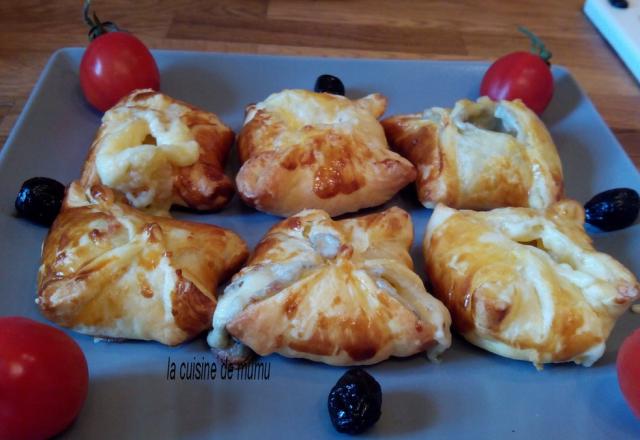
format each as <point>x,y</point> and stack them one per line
<point>301,149</point>
<point>339,292</point>
<point>479,155</point>
<point>161,152</point>
<point>527,284</point>
<point>110,270</point>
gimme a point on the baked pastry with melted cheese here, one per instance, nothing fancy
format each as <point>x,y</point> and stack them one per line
<point>301,149</point>
<point>110,270</point>
<point>527,284</point>
<point>160,152</point>
<point>338,292</point>
<point>479,155</point>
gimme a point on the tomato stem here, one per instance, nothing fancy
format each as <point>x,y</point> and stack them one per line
<point>537,46</point>
<point>97,27</point>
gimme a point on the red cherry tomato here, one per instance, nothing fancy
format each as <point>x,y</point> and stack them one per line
<point>43,379</point>
<point>519,75</point>
<point>114,65</point>
<point>629,370</point>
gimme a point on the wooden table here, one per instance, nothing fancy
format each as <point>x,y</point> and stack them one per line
<point>31,30</point>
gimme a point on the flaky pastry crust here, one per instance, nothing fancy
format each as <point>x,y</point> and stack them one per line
<point>479,155</point>
<point>161,152</point>
<point>110,270</point>
<point>338,292</point>
<point>527,284</point>
<point>301,149</point>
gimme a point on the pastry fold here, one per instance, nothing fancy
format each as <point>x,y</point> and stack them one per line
<point>527,284</point>
<point>110,270</point>
<point>338,292</point>
<point>301,149</point>
<point>161,152</point>
<point>479,155</point>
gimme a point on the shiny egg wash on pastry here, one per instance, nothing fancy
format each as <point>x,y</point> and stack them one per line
<point>527,284</point>
<point>109,270</point>
<point>479,155</point>
<point>339,292</point>
<point>161,152</point>
<point>301,149</point>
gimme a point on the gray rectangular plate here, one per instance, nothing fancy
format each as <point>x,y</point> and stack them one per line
<point>470,394</point>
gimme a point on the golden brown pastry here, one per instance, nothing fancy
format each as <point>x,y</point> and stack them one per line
<point>301,149</point>
<point>480,155</point>
<point>161,152</point>
<point>338,292</point>
<point>527,284</point>
<point>110,270</point>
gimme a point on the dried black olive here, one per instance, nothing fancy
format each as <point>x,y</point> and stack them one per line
<point>329,84</point>
<point>621,4</point>
<point>613,209</point>
<point>40,199</point>
<point>355,402</point>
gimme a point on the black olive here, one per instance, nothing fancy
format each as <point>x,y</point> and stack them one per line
<point>354,402</point>
<point>622,4</point>
<point>40,199</point>
<point>613,209</point>
<point>329,84</point>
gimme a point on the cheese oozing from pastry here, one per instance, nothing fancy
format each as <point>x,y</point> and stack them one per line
<point>140,148</point>
<point>160,152</point>
<point>527,284</point>
<point>339,292</point>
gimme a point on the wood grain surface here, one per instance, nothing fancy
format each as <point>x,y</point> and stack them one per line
<point>31,30</point>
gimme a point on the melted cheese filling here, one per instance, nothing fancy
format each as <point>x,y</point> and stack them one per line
<point>130,161</point>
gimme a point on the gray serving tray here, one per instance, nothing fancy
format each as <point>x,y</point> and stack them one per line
<point>470,394</point>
